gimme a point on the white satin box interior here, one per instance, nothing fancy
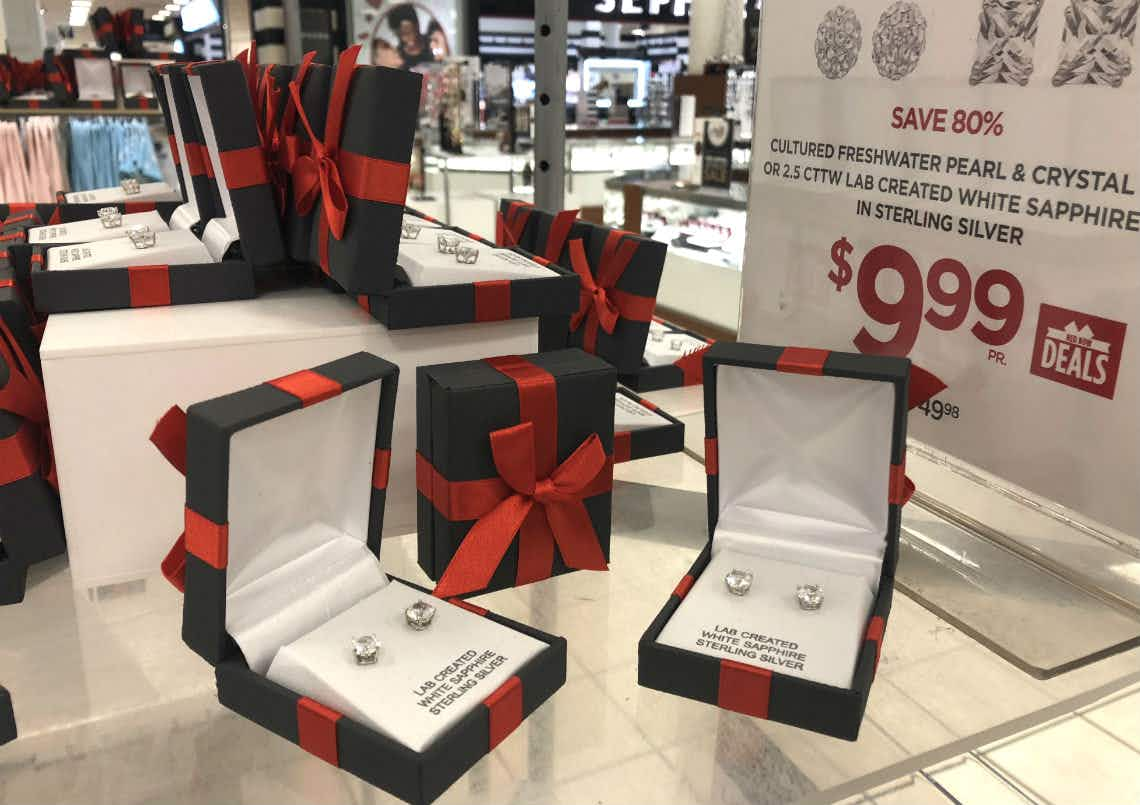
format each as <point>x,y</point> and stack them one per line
<point>94,79</point>
<point>301,582</point>
<point>426,265</point>
<point>148,191</point>
<point>804,472</point>
<point>93,229</point>
<point>136,80</point>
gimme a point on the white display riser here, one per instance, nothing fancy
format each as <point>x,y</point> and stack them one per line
<point>110,375</point>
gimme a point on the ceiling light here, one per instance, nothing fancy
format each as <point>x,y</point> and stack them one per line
<point>80,3</point>
<point>78,17</point>
<point>171,7</point>
<point>158,17</point>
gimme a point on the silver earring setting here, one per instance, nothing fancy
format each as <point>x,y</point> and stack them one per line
<point>810,596</point>
<point>738,582</point>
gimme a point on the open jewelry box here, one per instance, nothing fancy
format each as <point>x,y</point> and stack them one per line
<point>805,451</point>
<point>672,358</point>
<point>85,223</point>
<point>642,430</point>
<point>285,493</point>
<point>438,287</point>
<point>89,77</point>
<point>137,87</point>
<point>176,265</point>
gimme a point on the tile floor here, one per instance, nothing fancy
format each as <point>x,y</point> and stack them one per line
<point>113,708</point>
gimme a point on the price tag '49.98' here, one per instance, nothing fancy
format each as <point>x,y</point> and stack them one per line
<point>997,296</point>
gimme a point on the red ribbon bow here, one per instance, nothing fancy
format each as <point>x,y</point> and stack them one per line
<point>290,145</point>
<point>601,304</point>
<point>23,395</point>
<point>318,173</point>
<point>542,511</point>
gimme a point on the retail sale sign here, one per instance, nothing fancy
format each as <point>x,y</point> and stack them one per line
<point>957,183</point>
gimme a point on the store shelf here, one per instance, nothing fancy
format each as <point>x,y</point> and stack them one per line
<point>71,111</point>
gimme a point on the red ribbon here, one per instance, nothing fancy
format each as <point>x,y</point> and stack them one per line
<point>543,511</point>
<point>318,173</point>
<point>291,146</point>
<point>248,61</point>
<point>24,396</point>
<point>334,174</point>
<point>559,231</point>
<point>601,304</point>
<point>169,436</point>
<point>509,228</point>
<point>533,496</point>
<point>692,366</point>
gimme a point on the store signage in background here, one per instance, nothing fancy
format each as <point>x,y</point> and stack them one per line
<point>410,35</point>
<point>956,183</point>
<point>663,11</point>
<point>716,153</point>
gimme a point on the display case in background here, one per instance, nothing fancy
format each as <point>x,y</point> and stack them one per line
<point>705,230</point>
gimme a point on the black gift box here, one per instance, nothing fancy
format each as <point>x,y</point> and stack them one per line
<point>30,518</point>
<point>191,158</point>
<point>103,26</point>
<point>685,371</point>
<point>598,257</point>
<point>660,438</point>
<point>211,428</point>
<point>153,285</point>
<point>222,107</point>
<point>370,126</point>
<point>516,224</point>
<point>555,405</point>
<point>547,235</point>
<point>230,127</point>
<point>13,581</point>
<point>18,316</point>
<point>748,688</point>
<point>31,522</point>
<point>314,83</point>
<point>7,717</point>
<point>407,306</point>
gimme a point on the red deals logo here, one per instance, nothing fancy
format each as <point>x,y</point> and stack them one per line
<point>1078,350</point>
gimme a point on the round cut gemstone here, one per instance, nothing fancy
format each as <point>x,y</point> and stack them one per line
<point>419,615</point>
<point>366,649</point>
<point>738,581</point>
<point>810,596</point>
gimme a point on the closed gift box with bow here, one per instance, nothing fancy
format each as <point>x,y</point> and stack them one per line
<point>354,177</point>
<point>514,469</point>
<point>620,273</point>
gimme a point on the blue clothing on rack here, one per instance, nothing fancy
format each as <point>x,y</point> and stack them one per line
<point>106,150</point>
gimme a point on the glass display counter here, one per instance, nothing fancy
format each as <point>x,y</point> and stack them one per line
<point>705,229</point>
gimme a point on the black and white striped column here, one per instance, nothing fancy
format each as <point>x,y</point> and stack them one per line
<point>269,31</point>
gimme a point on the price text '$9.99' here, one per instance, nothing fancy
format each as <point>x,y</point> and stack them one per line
<point>996,296</point>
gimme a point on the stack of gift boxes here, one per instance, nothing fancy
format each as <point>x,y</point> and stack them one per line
<point>299,174</point>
